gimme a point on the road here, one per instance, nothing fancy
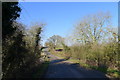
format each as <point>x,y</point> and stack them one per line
<point>59,68</point>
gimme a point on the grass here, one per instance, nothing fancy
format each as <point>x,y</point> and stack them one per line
<point>41,70</point>
<point>58,48</point>
<point>73,60</point>
<point>58,54</point>
<point>114,73</point>
<point>111,72</point>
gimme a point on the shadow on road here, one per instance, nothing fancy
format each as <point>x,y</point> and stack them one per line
<point>60,68</point>
<point>57,61</point>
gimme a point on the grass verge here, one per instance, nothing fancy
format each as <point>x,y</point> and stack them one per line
<point>110,72</point>
<point>41,70</point>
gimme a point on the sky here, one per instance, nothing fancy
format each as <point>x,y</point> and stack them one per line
<point>60,17</point>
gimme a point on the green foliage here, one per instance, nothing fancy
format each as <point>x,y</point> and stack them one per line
<point>40,73</point>
<point>55,41</point>
<point>66,50</point>
<point>65,47</point>
<point>20,48</point>
<point>95,47</point>
<point>19,53</point>
<point>10,12</point>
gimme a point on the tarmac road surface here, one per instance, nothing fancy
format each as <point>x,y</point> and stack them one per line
<point>59,68</point>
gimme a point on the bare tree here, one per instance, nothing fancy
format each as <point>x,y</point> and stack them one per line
<point>55,41</point>
<point>92,28</point>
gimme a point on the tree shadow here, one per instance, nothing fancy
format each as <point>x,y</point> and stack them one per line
<point>57,60</point>
<point>59,68</point>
